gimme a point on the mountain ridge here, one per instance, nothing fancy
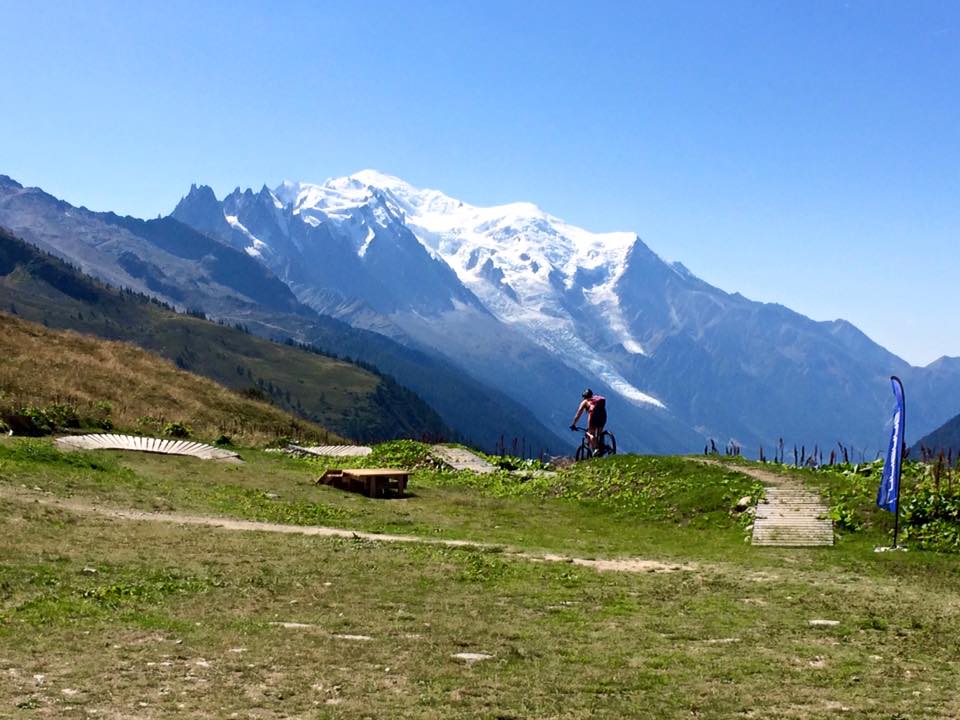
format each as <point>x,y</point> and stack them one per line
<point>351,401</point>
<point>102,245</point>
<point>532,310</point>
<point>612,311</point>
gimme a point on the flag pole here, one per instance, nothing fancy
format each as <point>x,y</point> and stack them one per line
<point>903,447</point>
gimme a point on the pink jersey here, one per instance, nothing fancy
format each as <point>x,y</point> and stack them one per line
<point>596,401</point>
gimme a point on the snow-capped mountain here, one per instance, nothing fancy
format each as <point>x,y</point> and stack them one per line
<point>535,306</point>
<point>534,272</point>
<point>357,261</point>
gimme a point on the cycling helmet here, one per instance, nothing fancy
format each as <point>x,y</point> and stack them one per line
<point>587,394</point>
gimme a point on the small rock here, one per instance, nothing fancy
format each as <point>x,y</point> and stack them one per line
<point>70,692</point>
<point>89,571</point>
<point>272,496</point>
<point>743,503</point>
<point>362,638</point>
<point>471,658</point>
<point>824,622</point>
<point>293,625</point>
<point>38,679</point>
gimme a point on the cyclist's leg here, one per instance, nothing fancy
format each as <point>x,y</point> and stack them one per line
<point>593,437</point>
<point>601,444</point>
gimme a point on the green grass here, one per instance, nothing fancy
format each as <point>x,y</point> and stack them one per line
<point>157,620</point>
<point>577,511</point>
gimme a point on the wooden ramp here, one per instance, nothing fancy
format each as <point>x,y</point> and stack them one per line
<point>109,441</point>
<point>460,459</point>
<point>332,450</point>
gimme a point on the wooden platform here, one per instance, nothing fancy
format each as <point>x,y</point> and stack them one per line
<point>372,482</point>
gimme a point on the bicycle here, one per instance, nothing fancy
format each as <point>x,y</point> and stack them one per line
<point>608,445</point>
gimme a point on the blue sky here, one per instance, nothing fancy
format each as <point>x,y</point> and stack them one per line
<point>806,153</point>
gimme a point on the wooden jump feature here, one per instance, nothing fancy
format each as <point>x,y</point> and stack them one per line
<point>110,441</point>
<point>331,450</point>
<point>372,482</point>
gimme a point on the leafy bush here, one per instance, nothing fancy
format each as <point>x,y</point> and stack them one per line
<point>149,424</point>
<point>36,420</point>
<point>929,500</point>
<point>177,429</point>
<point>931,517</point>
<point>511,463</point>
<point>60,415</point>
<point>100,416</point>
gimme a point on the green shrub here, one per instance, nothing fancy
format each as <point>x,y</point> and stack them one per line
<point>408,454</point>
<point>100,416</point>
<point>177,429</point>
<point>40,420</point>
<point>931,517</point>
<point>60,416</point>
<point>511,463</point>
<point>149,424</point>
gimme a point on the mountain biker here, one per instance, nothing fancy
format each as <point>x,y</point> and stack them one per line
<point>596,408</point>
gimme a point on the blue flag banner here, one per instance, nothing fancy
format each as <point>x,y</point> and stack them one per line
<point>890,482</point>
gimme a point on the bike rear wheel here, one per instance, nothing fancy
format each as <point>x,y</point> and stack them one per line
<point>609,443</point>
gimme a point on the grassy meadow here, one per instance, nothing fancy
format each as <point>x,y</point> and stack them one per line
<point>108,617</point>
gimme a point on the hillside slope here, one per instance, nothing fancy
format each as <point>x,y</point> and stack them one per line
<point>351,401</point>
<point>945,438</point>
<point>132,389</point>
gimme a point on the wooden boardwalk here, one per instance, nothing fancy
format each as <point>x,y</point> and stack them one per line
<point>460,459</point>
<point>109,441</point>
<point>332,450</point>
<point>790,515</point>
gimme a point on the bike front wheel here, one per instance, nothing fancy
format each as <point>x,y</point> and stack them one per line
<point>583,452</point>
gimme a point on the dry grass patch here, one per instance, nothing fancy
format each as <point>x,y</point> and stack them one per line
<point>44,367</point>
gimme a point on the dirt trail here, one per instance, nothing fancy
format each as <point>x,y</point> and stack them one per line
<point>23,495</point>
